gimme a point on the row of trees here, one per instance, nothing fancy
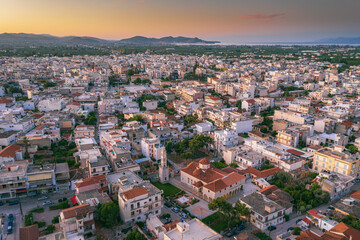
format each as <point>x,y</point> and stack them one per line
<point>304,199</point>
<point>188,147</point>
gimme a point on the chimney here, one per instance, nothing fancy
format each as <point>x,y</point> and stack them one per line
<point>269,209</point>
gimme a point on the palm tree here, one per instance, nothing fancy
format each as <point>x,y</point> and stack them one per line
<point>26,142</point>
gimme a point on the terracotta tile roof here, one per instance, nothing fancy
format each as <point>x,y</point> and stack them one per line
<point>315,147</point>
<point>251,101</point>
<point>29,233</point>
<point>233,178</point>
<point>313,213</point>
<point>307,221</point>
<point>74,104</point>
<point>204,161</point>
<point>262,174</point>
<point>308,235</point>
<point>6,99</point>
<point>10,151</point>
<point>135,192</point>
<point>294,152</point>
<point>356,194</point>
<point>89,223</point>
<point>76,211</point>
<point>171,225</point>
<point>206,176</point>
<point>348,231</point>
<point>268,190</point>
<point>347,123</point>
<point>91,180</point>
<point>216,185</point>
<point>37,115</point>
<point>198,184</point>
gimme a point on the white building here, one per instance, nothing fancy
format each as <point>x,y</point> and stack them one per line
<point>264,212</point>
<point>139,202</point>
<point>194,230</point>
<point>151,147</point>
<point>203,127</point>
<point>225,138</point>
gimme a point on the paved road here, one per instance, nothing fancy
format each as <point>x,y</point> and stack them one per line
<point>27,204</point>
<point>282,228</point>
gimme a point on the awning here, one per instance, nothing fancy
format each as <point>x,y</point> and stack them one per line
<point>73,200</point>
<point>21,190</point>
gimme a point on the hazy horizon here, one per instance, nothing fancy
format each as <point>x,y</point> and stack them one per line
<point>228,21</point>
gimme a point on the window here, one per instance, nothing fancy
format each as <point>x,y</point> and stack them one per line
<point>156,198</point>
<point>138,204</point>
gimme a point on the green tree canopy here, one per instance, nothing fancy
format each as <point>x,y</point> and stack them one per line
<point>109,214</point>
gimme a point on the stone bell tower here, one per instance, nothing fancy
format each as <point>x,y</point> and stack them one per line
<point>163,169</point>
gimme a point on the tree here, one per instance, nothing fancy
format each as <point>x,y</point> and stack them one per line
<point>242,210</point>
<point>90,119</point>
<point>297,231</point>
<point>50,229</point>
<point>169,146</point>
<point>223,206</point>
<point>135,235</point>
<point>238,104</point>
<point>109,214</point>
<point>137,81</point>
<point>353,149</point>
<point>234,165</point>
<point>186,155</point>
<point>264,130</point>
<point>302,144</point>
<point>26,142</point>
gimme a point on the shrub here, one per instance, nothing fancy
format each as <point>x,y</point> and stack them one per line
<point>37,210</point>
<point>50,229</point>
<point>41,224</point>
<point>56,219</point>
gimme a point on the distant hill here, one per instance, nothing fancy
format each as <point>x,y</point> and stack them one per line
<point>25,39</point>
<point>165,40</point>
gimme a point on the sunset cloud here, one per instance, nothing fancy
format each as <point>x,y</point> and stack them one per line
<point>137,1</point>
<point>262,17</point>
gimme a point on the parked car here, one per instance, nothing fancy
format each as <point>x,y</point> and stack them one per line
<point>175,209</point>
<point>240,227</point>
<point>13,203</point>
<point>10,228</point>
<point>271,228</point>
<point>42,198</point>
<point>1,203</point>
<point>298,220</point>
<point>290,229</point>
<point>183,215</point>
<point>168,204</point>
<point>330,208</point>
<point>47,203</point>
<point>63,199</point>
<point>11,217</point>
<point>231,233</point>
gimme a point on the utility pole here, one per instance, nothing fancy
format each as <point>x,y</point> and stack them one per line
<point>21,211</point>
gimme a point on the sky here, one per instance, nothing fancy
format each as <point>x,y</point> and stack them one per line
<point>229,21</point>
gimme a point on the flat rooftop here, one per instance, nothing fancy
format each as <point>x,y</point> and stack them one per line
<point>196,231</point>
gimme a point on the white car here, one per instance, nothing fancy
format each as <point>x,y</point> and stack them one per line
<point>47,203</point>
<point>42,198</point>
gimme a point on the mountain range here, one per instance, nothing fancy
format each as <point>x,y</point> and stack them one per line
<point>26,39</point>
